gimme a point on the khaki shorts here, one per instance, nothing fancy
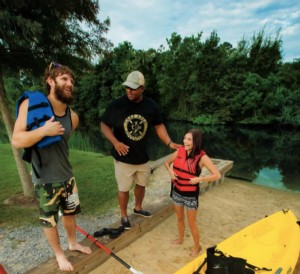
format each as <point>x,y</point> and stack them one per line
<point>55,197</point>
<point>126,174</point>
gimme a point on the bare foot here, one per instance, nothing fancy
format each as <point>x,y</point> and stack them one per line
<point>177,242</point>
<point>81,248</point>
<point>195,251</point>
<point>63,263</point>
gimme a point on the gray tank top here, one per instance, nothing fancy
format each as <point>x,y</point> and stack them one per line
<point>51,164</point>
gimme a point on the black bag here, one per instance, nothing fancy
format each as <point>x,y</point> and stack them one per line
<point>219,263</point>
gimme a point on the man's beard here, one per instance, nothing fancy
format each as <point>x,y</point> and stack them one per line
<point>60,95</point>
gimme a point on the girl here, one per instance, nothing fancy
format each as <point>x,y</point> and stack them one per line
<point>189,160</point>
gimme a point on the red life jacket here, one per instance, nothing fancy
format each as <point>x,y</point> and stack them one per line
<point>186,168</point>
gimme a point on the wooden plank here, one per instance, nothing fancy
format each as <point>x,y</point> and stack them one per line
<point>85,263</point>
<point>157,163</point>
<point>223,166</point>
<point>140,227</point>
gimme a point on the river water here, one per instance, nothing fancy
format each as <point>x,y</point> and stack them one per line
<point>265,156</point>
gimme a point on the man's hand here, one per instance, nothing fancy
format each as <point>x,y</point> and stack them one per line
<point>53,128</point>
<point>174,145</point>
<point>121,148</point>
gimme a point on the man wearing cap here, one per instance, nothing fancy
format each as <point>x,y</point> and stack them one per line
<point>125,124</point>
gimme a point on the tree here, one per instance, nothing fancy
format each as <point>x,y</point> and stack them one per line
<point>177,75</point>
<point>265,54</point>
<point>99,88</point>
<point>33,33</point>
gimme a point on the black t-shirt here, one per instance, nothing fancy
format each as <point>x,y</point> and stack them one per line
<point>130,123</point>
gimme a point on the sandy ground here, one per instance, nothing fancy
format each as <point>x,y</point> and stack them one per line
<point>224,210</point>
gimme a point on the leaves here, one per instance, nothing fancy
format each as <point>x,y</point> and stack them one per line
<point>32,33</point>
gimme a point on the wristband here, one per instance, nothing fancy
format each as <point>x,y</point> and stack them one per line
<point>170,143</point>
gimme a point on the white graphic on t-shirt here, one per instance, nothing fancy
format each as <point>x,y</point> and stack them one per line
<point>135,127</point>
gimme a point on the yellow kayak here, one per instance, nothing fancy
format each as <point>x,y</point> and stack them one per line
<point>272,242</point>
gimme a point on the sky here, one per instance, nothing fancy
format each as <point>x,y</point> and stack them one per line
<point>149,23</point>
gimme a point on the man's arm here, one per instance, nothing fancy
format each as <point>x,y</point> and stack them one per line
<point>163,135</point>
<point>22,138</point>
<point>75,119</point>
<point>120,147</point>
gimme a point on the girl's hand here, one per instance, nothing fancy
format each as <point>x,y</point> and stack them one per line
<point>194,181</point>
<point>173,175</point>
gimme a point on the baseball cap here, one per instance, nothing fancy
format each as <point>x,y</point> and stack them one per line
<point>134,80</point>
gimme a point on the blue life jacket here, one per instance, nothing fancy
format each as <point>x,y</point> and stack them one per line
<point>39,111</point>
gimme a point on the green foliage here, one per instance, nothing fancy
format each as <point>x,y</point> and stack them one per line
<point>192,80</point>
<point>94,175</point>
<point>16,85</point>
<point>33,33</point>
<point>206,82</point>
<point>10,185</point>
<point>290,115</point>
<point>205,120</point>
<point>98,89</point>
<point>3,133</point>
<point>80,142</point>
<point>96,182</point>
<point>177,80</point>
<point>264,54</point>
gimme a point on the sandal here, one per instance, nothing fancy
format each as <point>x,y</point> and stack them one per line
<point>102,232</point>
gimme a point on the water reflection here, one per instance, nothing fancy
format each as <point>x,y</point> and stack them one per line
<point>270,178</point>
<point>266,156</point>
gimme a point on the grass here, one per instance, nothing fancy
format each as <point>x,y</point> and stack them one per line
<point>94,174</point>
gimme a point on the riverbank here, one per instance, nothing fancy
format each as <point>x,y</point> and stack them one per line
<point>224,210</point>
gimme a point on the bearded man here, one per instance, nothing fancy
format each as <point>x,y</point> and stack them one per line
<point>54,183</point>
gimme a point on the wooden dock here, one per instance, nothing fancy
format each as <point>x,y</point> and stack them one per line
<point>85,263</point>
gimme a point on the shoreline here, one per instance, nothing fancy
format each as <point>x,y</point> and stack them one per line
<point>223,210</point>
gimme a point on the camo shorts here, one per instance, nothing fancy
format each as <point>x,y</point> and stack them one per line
<point>57,197</point>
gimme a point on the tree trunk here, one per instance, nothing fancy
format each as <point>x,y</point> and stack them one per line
<point>8,122</point>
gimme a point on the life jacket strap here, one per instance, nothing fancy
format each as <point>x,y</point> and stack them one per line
<point>37,122</point>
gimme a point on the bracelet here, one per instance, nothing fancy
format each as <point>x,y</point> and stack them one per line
<point>169,143</point>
